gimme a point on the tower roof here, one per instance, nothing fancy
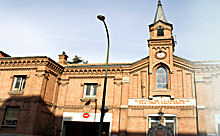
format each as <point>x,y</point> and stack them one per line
<point>160,16</point>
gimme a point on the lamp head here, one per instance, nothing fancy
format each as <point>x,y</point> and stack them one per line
<point>101,17</point>
<point>106,109</point>
<point>160,113</point>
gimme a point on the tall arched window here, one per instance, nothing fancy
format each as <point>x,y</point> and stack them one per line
<point>160,31</point>
<point>161,78</point>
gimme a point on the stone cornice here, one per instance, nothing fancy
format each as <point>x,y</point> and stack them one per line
<point>91,71</point>
<point>94,69</point>
<point>90,106</point>
<point>22,62</point>
<point>160,47</point>
<point>182,60</point>
<point>16,69</point>
<point>146,59</point>
<point>183,67</point>
<point>136,66</point>
<point>210,107</point>
<point>139,67</point>
<point>57,68</point>
<point>161,22</point>
<point>208,68</point>
<point>158,107</point>
<point>199,66</point>
<point>159,42</point>
<point>129,107</point>
<point>96,65</point>
<point>153,29</point>
<point>90,76</point>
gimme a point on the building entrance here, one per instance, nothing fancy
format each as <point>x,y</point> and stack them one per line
<point>160,130</point>
<point>85,128</point>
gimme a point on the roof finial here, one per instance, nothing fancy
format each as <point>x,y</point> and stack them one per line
<point>159,3</point>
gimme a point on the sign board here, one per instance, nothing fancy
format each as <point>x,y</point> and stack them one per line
<point>162,102</point>
<point>79,117</point>
<point>86,115</point>
<point>125,79</point>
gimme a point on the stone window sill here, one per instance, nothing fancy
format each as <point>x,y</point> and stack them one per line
<point>161,90</point>
<point>92,99</point>
<point>16,92</point>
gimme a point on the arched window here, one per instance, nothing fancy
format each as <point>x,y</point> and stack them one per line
<point>161,78</point>
<point>160,31</point>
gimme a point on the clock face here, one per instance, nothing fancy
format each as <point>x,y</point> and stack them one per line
<point>160,55</point>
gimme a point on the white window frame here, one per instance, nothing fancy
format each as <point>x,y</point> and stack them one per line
<point>91,93</point>
<point>21,84</point>
<point>164,121</point>
<point>150,121</point>
<point>171,121</point>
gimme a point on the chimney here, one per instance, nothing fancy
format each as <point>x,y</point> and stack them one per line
<point>63,58</point>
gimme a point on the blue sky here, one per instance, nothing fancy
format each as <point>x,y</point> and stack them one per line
<point>48,27</point>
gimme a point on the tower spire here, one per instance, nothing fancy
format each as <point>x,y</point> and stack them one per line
<point>160,14</point>
<point>159,3</point>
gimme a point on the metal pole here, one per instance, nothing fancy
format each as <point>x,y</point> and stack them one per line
<point>197,120</point>
<point>102,18</point>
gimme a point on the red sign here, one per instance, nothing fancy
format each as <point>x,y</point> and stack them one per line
<point>86,115</point>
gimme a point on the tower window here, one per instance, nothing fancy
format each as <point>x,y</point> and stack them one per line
<point>161,78</point>
<point>160,31</point>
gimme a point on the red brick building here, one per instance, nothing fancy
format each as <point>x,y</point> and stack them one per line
<point>42,97</point>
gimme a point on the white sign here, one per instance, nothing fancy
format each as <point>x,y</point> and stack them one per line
<point>162,102</point>
<point>93,117</point>
<point>78,117</point>
<point>125,79</point>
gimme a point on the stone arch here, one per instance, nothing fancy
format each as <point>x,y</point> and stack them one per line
<point>161,64</point>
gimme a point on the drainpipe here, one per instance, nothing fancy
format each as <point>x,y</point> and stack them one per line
<point>197,120</point>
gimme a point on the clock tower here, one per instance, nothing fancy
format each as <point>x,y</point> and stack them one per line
<point>161,47</point>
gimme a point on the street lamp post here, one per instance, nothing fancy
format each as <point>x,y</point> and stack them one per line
<point>102,18</point>
<point>161,116</point>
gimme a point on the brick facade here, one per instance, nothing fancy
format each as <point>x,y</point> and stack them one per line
<point>54,96</point>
